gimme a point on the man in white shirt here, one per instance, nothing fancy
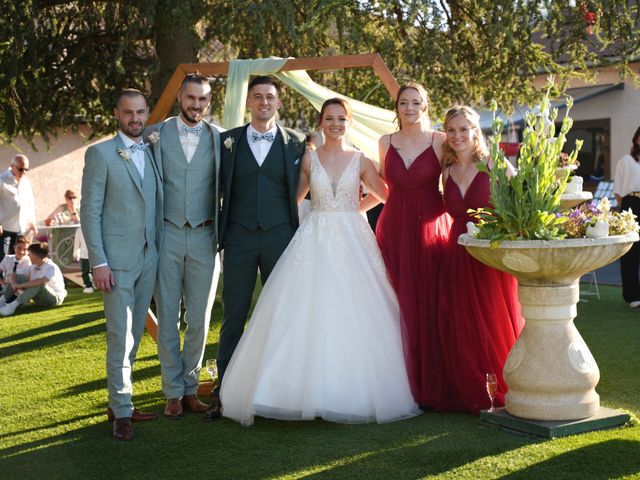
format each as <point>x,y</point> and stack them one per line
<point>45,285</point>
<point>14,268</point>
<point>17,205</point>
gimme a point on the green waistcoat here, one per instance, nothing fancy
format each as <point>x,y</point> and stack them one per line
<point>259,195</point>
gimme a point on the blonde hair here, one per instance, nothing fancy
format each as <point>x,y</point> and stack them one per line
<point>424,96</point>
<point>481,151</point>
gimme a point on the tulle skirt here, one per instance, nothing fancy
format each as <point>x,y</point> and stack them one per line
<point>324,339</point>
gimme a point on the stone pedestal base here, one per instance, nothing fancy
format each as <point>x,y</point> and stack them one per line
<point>604,418</point>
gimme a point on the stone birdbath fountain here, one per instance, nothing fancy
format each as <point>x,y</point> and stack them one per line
<point>550,373</point>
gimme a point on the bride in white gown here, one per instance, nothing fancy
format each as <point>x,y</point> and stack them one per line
<point>324,338</point>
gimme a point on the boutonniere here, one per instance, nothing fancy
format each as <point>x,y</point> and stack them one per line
<point>228,143</point>
<point>124,153</point>
<point>154,137</point>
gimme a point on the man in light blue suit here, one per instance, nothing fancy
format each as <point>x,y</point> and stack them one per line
<point>187,150</point>
<point>121,201</point>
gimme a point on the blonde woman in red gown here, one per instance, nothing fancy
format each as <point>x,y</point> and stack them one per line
<point>480,316</point>
<point>412,231</point>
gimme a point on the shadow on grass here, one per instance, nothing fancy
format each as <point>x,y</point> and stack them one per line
<point>604,460</point>
<point>53,327</point>
<point>101,384</point>
<point>52,340</point>
<point>410,449</point>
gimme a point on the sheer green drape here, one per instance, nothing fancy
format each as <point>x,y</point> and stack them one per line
<point>369,122</point>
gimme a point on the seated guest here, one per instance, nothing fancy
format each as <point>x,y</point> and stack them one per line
<point>45,285</point>
<point>65,213</point>
<point>14,268</point>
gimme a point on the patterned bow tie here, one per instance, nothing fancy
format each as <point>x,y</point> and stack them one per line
<point>256,137</point>
<point>197,130</point>
<point>137,147</point>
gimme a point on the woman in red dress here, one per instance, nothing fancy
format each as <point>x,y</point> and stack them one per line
<point>480,316</point>
<point>412,232</point>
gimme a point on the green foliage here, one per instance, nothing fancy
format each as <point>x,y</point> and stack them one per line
<point>524,206</point>
<point>62,62</point>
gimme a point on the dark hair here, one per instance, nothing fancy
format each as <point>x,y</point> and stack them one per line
<point>40,249</point>
<point>335,101</point>
<point>21,239</point>
<point>423,95</point>
<point>195,77</point>
<point>264,80</point>
<point>635,148</point>
<point>129,93</point>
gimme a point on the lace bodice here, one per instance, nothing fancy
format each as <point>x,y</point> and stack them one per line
<point>335,194</point>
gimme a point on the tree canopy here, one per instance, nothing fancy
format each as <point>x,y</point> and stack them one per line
<point>62,62</point>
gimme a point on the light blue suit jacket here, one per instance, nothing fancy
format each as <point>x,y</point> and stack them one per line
<point>113,207</point>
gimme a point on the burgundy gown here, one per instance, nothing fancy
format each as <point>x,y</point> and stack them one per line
<point>412,232</point>
<point>480,316</point>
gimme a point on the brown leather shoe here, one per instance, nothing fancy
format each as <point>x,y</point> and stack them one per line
<point>137,415</point>
<point>193,404</point>
<point>214,411</point>
<point>173,408</point>
<point>122,429</point>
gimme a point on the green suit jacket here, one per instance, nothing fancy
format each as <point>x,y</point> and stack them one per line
<point>294,147</point>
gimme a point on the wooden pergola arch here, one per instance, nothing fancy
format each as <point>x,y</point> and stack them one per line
<point>168,97</point>
<point>220,69</point>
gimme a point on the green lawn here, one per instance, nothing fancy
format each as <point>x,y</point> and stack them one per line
<point>53,423</point>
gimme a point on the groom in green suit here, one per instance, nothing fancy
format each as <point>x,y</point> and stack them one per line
<point>260,168</point>
<point>121,201</point>
<point>187,150</point>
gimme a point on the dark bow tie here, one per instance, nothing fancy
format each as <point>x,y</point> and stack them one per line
<point>256,137</point>
<point>197,130</point>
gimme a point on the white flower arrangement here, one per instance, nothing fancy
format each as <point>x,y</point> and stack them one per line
<point>124,153</point>
<point>154,137</point>
<point>228,143</point>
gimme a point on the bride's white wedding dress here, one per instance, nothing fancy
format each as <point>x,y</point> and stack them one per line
<point>324,338</point>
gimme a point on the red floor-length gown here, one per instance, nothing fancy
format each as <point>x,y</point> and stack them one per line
<point>480,317</point>
<point>412,232</point>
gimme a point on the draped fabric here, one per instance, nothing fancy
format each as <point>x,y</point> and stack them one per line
<point>369,122</point>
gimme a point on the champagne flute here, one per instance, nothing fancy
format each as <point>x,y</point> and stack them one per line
<point>492,387</point>
<point>212,369</point>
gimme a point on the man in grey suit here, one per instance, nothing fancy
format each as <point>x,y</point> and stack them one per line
<point>260,170</point>
<point>121,198</point>
<point>187,151</point>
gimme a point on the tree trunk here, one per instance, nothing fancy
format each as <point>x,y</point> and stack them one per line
<point>177,40</point>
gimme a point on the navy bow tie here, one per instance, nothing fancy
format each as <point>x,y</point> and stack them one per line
<point>197,130</point>
<point>137,147</point>
<point>256,137</point>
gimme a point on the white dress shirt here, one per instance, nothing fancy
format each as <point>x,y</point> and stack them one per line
<point>8,263</point>
<point>189,141</point>
<point>627,178</point>
<point>17,205</point>
<point>260,148</point>
<point>52,273</point>
<point>137,156</point>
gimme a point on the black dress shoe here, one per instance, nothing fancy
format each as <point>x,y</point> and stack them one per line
<point>122,429</point>
<point>214,411</point>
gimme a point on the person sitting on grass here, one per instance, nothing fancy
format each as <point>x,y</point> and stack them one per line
<point>45,285</point>
<point>16,268</point>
